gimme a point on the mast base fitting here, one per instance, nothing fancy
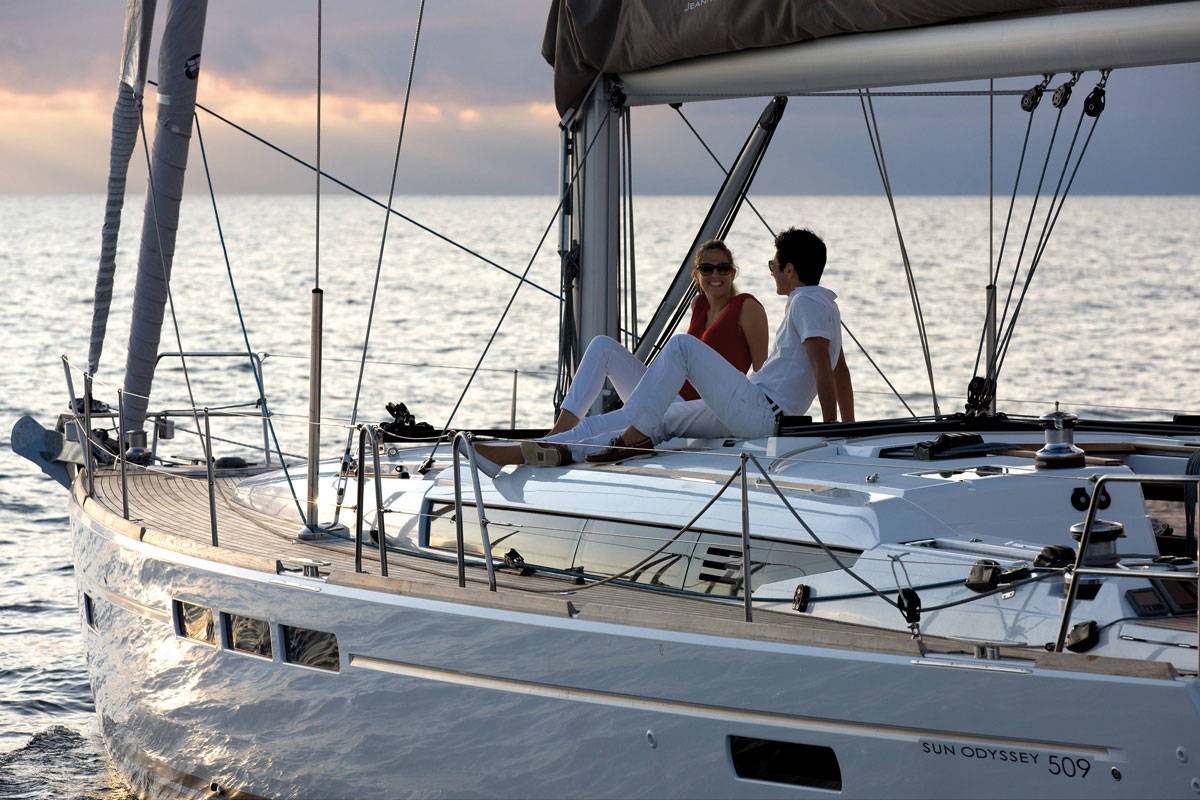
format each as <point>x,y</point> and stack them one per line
<point>322,531</point>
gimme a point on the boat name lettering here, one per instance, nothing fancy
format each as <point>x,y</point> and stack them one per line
<point>980,752</point>
<point>1065,766</point>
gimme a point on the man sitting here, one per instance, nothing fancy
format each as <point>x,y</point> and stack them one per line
<point>805,362</point>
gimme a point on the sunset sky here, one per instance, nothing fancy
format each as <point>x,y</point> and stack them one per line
<point>482,118</point>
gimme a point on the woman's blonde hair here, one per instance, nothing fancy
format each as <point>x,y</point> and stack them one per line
<point>713,244</point>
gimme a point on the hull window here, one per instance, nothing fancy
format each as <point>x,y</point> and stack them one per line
<point>785,762</point>
<point>248,635</point>
<point>89,611</point>
<point>310,648</point>
<point>195,622</point>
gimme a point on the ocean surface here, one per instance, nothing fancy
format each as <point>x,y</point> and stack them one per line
<point>1107,329</point>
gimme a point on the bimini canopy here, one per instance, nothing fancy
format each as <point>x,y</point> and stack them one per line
<point>671,50</point>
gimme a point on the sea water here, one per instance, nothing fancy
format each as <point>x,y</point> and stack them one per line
<point>1107,328</point>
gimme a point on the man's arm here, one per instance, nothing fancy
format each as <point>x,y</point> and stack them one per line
<point>817,348</point>
<point>843,388</point>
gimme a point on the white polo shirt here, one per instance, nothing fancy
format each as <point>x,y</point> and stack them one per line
<point>787,375</point>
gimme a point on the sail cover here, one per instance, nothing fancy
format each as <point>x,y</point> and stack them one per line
<point>584,37</point>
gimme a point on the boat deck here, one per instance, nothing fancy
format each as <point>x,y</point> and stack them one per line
<point>171,510</point>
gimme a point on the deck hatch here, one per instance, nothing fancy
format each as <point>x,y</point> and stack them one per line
<point>248,635</point>
<point>194,622</point>
<point>815,766</point>
<point>310,648</point>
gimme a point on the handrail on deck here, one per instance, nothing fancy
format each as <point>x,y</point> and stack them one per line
<point>258,365</point>
<point>363,432</point>
<point>463,443</point>
<point>1085,539</point>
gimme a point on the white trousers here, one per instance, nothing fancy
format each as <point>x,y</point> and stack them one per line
<point>739,404</point>
<point>606,358</point>
<point>730,404</point>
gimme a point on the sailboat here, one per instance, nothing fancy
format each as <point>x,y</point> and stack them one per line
<point>964,604</point>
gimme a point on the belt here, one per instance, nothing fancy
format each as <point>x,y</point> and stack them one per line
<point>775,407</point>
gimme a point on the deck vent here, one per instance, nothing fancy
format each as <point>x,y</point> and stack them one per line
<point>89,611</point>
<point>194,622</point>
<point>310,648</point>
<point>248,635</point>
<point>722,565</point>
<point>795,764</point>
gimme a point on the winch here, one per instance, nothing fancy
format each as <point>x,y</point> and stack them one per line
<point>1060,451</point>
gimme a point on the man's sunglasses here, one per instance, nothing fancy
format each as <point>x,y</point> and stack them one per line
<point>722,269</point>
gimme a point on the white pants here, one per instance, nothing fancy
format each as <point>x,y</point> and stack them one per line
<point>606,358</point>
<point>737,403</point>
<point>730,404</point>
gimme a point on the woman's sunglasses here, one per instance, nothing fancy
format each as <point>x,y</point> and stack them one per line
<point>722,269</point>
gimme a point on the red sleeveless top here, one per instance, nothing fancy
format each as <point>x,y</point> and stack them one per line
<point>725,335</point>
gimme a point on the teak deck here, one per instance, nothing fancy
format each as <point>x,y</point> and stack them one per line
<point>171,510</point>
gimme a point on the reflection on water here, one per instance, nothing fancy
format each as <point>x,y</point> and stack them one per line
<point>1115,263</point>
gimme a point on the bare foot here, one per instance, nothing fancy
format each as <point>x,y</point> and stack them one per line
<point>501,454</point>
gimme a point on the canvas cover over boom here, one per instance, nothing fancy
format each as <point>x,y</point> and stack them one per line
<point>585,37</point>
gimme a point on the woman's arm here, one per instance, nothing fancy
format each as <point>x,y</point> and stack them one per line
<point>753,322</point>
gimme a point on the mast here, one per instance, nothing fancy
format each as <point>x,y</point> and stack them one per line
<point>178,73</point>
<point>592,229</point>
<point>139,22</point>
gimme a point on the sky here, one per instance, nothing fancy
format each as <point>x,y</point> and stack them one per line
<point>482,118</point>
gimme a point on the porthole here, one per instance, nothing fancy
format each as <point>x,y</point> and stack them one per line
<point>89,611</point>
<point>792,763</point>
<point>248,635</point>
<point>194,622</point>
<point>310,648</point>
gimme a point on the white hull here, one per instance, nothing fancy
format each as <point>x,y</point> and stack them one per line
<point>473,698</point>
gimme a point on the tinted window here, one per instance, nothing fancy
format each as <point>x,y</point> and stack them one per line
<point>195,622</point>
<point>248,635</point>
<point>310,648</point>
<point>610,547</point>
<point>785,762</point>
<point>89,611</point>
<point>546,540</point>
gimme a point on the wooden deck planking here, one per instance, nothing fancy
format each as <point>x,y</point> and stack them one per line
<point>177,505</point>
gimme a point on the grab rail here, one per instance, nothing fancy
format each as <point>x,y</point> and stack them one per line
<point>363,432</point>
<point>462,443</point>
<point>1085,538</point>
<point>258,365</point>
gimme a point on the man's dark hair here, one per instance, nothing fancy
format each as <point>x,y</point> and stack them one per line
<point>804,250</point>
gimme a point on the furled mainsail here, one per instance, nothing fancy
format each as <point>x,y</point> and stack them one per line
<point>139,21</point>
<point>584,37</point>
<point>178,71</point>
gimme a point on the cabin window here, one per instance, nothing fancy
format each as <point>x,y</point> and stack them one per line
<point>547,540</point>
<point>89,611</point>
<point>248,635</point>
<point>795,764</point>
<point>704,562</point>
<point>195,622</point>
<point>610,547</point>
<point>310,648</point>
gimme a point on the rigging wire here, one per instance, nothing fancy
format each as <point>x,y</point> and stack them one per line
<point>428,463</point>
<point>876,140</point>
<point>365,196</point>
<point>258,379</point>
<point>994,273</point>
<point>770,230</point>
<point>162,262</point>
<point>1052,217</point>
<point>387,218</point>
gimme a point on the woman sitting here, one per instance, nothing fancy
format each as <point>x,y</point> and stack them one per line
<point>732,323</point>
